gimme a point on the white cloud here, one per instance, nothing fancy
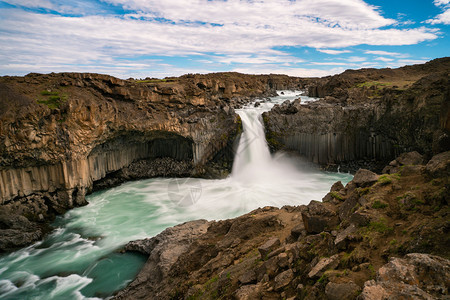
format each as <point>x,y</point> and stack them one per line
<point>356,59</point>
<point>32,3</point>
<point>299,72</point>
<point>441,2</point>
<point>333,52</point>
<point>249,31</point>
<point>386,53</point>
<point>385,59</point>
<point>443,18</point>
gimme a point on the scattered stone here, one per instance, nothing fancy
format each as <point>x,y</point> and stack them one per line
<point>268,246</point>
<point>283,279</point>
<point>324,264</point>
<point>298,230</point>
<point>341,291</point>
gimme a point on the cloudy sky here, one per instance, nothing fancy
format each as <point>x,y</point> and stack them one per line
<point>158,38</point>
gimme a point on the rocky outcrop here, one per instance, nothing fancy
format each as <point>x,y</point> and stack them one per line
<point>367,245</point>
<point>64,135</point>
<point>367,117</point>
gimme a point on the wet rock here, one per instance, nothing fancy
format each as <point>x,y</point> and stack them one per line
<point>283,279</point>
<point>268,246</point>
<point>319,216</point>
<point>364,178</point>
<point>327,263</point>
<point>341,291</point>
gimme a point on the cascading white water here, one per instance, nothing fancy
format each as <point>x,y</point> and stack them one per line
<point>78,260</point>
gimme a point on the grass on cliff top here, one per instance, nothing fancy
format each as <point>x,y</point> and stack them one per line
<point>155,80</point>
<point>52,99</point>
<point>397,83</point>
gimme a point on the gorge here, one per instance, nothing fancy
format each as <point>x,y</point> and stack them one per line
<point>63,136</point>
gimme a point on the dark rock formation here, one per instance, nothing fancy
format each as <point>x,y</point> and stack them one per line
<point>400,251</point>
<point>368,117</point>
<point>64,135</point>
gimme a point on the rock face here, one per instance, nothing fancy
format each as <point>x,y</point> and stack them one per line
<point>398,252</point>
<point>63,135</point>
<point>367,117</point>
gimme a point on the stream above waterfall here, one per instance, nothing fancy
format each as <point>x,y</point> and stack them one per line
<point>79,259</point>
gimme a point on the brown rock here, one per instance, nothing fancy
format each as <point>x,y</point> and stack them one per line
<point>439,165</point>
<point>341,238</point>
<point>268,246</point>
<point>410,158</point>
<point>418,275</point>
<point>247,292</point>
<point>247,277</point>
<point>364,178</point>
<point>319,216</point>
<point>283,279</point>
<point>327,263</point>
<point>341,291</point>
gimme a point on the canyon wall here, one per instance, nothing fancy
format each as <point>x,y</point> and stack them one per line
<point>61,134</point>
<point>367,117</point>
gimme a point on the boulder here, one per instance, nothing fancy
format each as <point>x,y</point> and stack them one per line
<point>283,279</point>
<point>439,165</point>
<point>319,216</point>
<point>247,277</point>
<point>364,178</point>
<point>269,246</point>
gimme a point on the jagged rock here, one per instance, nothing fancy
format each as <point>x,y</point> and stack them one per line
<point>364,178</point>
<point>439,165</point>
<point>327,263</point>
<point>342,236</point>
<point>164,250</point>
<point>268,246</point>
<point>341,291</point>
<point>337,186</point>
<point>319,216</point>
<point>418,275</point>
<point>283,279</point>
<point>298,230</point>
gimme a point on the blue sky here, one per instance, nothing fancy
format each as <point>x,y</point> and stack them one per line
<point>158,38</point>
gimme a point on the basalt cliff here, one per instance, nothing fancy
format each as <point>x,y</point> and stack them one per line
<point>367,117</point>
<point>64,135</point>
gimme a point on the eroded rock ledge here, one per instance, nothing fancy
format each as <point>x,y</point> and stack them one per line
<point>367,117</point>
<point>63,135</point>
<point>379,237</point>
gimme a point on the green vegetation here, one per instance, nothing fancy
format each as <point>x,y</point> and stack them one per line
<point>384,179</point>
<point>152,81</point>
<point>336,195</point>
<point>380,226</point>
<point>369,84</point>
<point>52,99</point>
<point>377,204</point>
